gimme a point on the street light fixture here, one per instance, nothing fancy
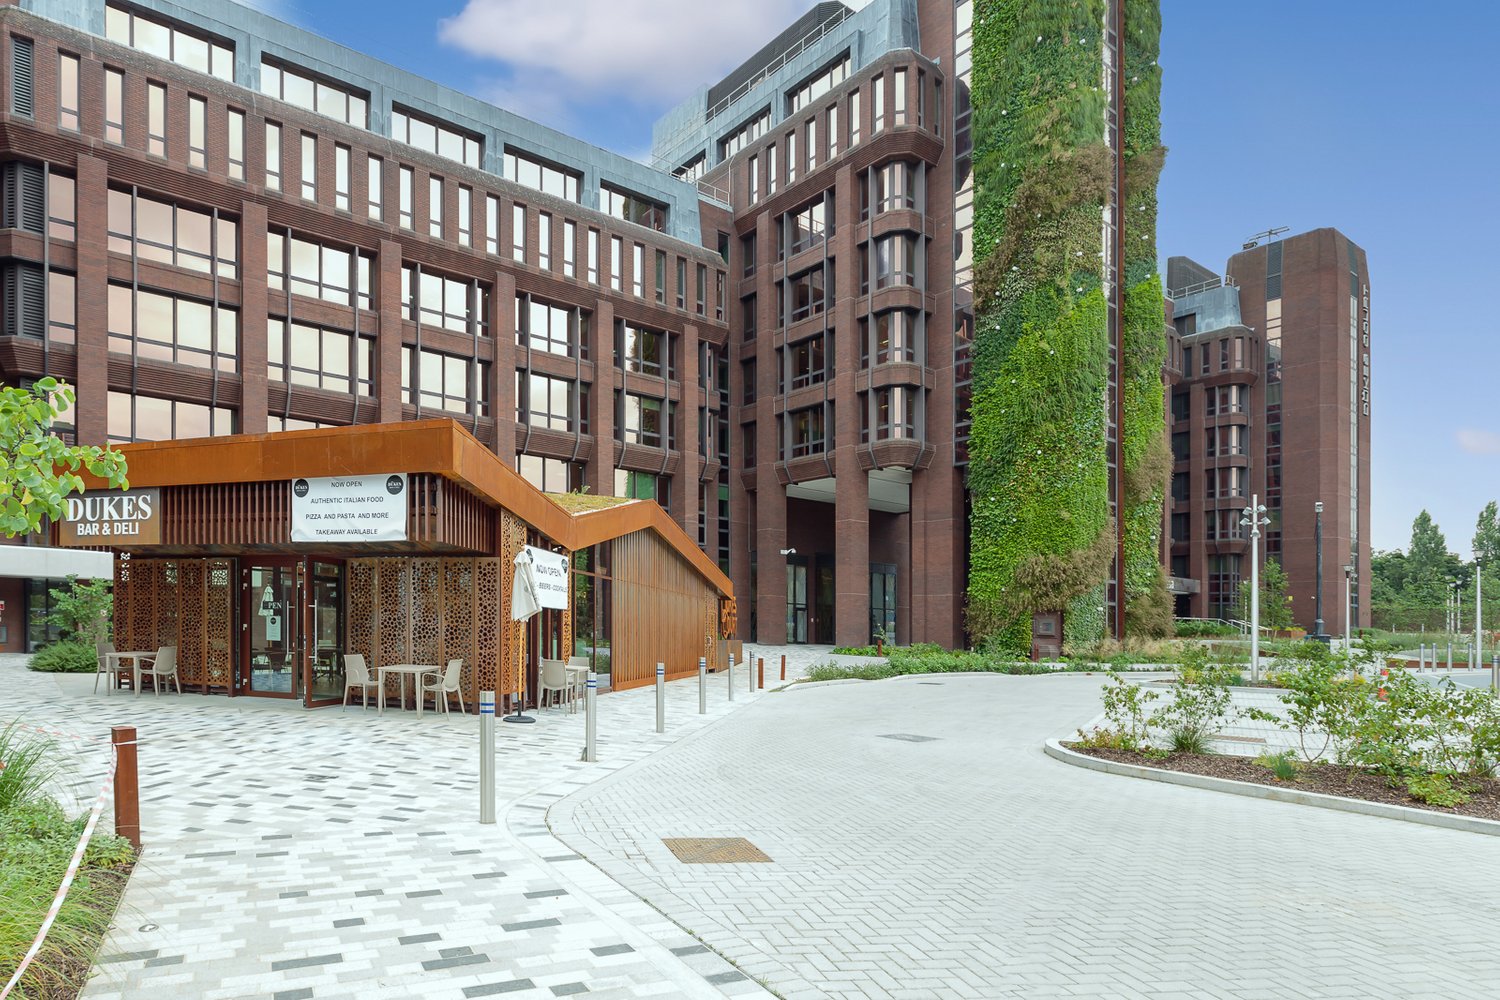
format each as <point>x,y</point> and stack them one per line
<point>1318,595</point>
<point>1254,517</point>
<point>1348,603</point>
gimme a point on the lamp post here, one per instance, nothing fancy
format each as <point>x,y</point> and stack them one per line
<point>1348,602</point>
<point>1254,517</point>
<point>1318,594</point>
<point>1478,614</point>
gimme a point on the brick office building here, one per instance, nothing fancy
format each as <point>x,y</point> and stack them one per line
<point>218,223</point>
<point>1270,396</point>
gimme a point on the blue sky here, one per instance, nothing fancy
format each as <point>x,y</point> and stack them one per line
<point>1276,113</point>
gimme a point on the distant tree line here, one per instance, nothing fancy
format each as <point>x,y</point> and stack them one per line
<point>1410,589</point>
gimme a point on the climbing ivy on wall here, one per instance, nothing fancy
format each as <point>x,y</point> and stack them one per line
<point>1042,536</point>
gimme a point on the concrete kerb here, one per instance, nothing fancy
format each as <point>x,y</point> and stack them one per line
<point>1272,793</point>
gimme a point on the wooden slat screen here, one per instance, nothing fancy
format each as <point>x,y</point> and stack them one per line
<point>187,603</point>
<point>663,611</point>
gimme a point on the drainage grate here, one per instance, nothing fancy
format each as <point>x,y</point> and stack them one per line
<point>714,850</point>
<point>908,738</point>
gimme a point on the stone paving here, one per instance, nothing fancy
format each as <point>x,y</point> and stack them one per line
<point>333,853</point>
<point>923,846</point>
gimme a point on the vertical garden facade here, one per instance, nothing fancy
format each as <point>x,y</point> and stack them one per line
<point>1067,478</point>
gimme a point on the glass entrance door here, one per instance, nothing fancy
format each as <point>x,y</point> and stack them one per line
<point>796,601</point>
<point>325,653</point>
<point>883,602</point>
<point>270,627</point>
<point>823,601</point>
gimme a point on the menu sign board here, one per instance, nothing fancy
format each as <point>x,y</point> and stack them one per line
<point>349,509</point>
<point>112,517</point>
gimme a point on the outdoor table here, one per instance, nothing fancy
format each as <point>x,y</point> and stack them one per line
<point>135,657</point>
<point>414,670</point>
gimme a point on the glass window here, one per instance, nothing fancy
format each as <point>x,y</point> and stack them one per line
<point>535,173</point>
<point>752,175</point>
<point>161,327</point>
<point>309,166</point>
<point>544,241</point>
<point>171,234</point>
<point>854,117</point>
<point>877,104</point>
<point>895,414</point>
<point>67,92</point>
<point>632,207</point>
<point>273,156</point>
<point>791,157</point>
<point>235,143</point>
<point>165,39</point>
<point>555,329</point>
<point>406,195</point>
<point>809,293</point>
<point>546,402</point>
<point>156,119</point>
<point>773,174</point>
<point>891,337</point>
<point>62,207</point>
<point>442,381</point>
<point>616,262</point>
<point>341,177</point>
<point>593,256</point>
<point>62,308</point>
<point>831,131</point>
<point>895,260</point>
<point>437,137</point>
<point>450,303</point>
<point>197,132</point>
<point>637,271</point>
<point>808,428</point>
<point>318,270</point>
<point>812,144</point>
<point>746,134</point>
<point>806,362</point>
<point>492,224</point>
<point>518,233</point>
<point>641,486</point>
<point>302,354</point>
<point>642,423</point>
<point>300,87</point>
<point>147,418</point>
<point>375,188</point>
<point>702,302</point>
<point>435,206</point>
<point>661,277</point>
<point>638,349</point>
<point>551,475</point>
<point>570,247</point>
<point>808,226</point>
<point>465,216</point>
<point>820,83</point>
<point>898,97</point>
<point>681,283</point>
<point>114,106</point>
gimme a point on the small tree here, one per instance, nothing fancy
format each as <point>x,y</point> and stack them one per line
<point>81,611</point>
<point>1275,603</point>
<point>38,470</point>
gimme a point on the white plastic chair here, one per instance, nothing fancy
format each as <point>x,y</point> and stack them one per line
<point>443,685</point>
<point>162,666</point>
<point>107,666</point>
<point>578,673</point>
<point>357,675</point>
<point>554,678</point>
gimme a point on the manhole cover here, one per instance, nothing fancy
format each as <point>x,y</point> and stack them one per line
<point>714,850</point>
<point>908,738</point>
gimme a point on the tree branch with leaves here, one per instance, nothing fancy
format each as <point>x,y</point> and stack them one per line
<point>38,469</point>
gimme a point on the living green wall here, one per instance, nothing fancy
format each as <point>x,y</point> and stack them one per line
<point>1042,538</point>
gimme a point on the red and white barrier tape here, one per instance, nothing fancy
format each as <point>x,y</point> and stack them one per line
<point>67,882</point>
<point>58,733</point>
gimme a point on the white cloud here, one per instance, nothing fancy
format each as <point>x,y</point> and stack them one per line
<point>1479,442</point>
<point>646,51</point>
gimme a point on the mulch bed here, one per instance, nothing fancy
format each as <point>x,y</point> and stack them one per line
<point>1326,779</point>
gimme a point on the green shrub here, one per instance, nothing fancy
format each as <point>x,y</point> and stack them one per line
<point>1435,790</point>
<point>65,658</point>
<point>1201,703</point>
<point>926,662</point>
<point>1125,708</point>
<point>1205,630</point>
<point>1282,765</point>
<point>28,766</point>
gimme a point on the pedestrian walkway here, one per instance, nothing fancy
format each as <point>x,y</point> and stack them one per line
<point>922,846</point>
<point>329,853</point>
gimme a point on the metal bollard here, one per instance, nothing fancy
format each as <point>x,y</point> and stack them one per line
<point>702,682</point>
<point>783,666</point>
<point>760,673</point>
<point>661,697</point>
<point>1450,657</point>
<point>590,726</point>
<point>127,785</point>
<point>1422,658</point>
<point>1495,673</point>
<point>486,756</point>
<point>750,672</point>
<point>730,674</point>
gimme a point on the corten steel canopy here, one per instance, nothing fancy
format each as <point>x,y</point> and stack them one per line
<point>431,451</point>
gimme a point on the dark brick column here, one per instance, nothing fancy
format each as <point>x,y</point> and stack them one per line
<point>254,405</point>
<point>601,471</point>
<point>503,372</point>
<point>690,461</point>
<point>388,351</point>
<point>92,402</point>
